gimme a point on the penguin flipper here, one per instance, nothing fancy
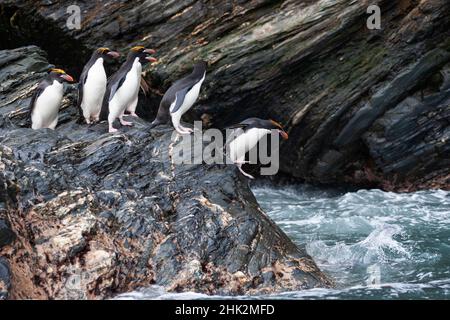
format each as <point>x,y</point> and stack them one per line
<point>82,81</point>
<point>114,84</point>
<point>179,99</point>
<point>80,99</point>
<point>37,92</point>
<point>235,131</point>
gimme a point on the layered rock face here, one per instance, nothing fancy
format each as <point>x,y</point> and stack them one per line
<point>85,214</point>
<point>344,92</point>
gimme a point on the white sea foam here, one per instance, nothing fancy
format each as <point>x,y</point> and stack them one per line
<point>375,244</point>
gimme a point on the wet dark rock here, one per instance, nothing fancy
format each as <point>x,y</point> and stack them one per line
<point>7,236</point>
<point>311,65</point>
<point>414,132</point>
<point>107,215</point>
<point>390,96</point>
<point>5,279</point>
<point>100,214</point>
<point>21,70</point>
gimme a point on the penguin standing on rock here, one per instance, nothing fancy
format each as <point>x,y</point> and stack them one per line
<point>180,98</point>
<point>123,87</point>
<point>46,100</point>
<point>92,85</point>
<point>246,135</point>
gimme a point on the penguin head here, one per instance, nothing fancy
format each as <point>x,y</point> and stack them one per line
<point>59,75</point>
<point>143,54</point>
<point>106,53</point>
<point>275,125</point>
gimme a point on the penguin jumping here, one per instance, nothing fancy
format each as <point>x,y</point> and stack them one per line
<point>123,87</point>
<point>246,135</point>
<point>92,85</point>
<point>180,98</point>
<point>46,99</point>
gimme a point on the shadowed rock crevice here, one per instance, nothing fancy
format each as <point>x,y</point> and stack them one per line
<point>23,25</point>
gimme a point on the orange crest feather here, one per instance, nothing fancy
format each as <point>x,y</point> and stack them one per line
<point>137,48</point>
<point>61,71</point>
<point>103,50</point>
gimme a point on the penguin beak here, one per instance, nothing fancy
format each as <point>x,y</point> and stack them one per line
<point>150,51</point>
<point>113,54</point>
<point>151,59</point>
<point>67,78</point>
<point>283,134</point>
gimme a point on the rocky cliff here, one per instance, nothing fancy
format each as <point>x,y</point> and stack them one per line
<point>366,107</point>
<point>85,214</point>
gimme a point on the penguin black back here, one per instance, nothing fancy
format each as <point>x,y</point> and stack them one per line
<point>38,91</point>
<point>250,123</point>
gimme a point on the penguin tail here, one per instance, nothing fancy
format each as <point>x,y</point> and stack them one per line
<point>155,123</point>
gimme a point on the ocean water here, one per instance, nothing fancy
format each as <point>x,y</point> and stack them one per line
<point>374,244</point>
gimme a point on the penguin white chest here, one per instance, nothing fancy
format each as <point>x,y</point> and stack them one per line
<point>46,108</point>
<point>245,142</point>
<point>190,97</point>
<point>128,91</point>
<point>94,89</point>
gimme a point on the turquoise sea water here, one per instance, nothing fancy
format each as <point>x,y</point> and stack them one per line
<point>374,244</point>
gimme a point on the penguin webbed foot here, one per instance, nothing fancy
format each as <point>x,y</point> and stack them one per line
<point>125,123</point>
<point>184,130</point>
<point>245,173</point>
<point>180,132</point>
<point>112,129</point>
